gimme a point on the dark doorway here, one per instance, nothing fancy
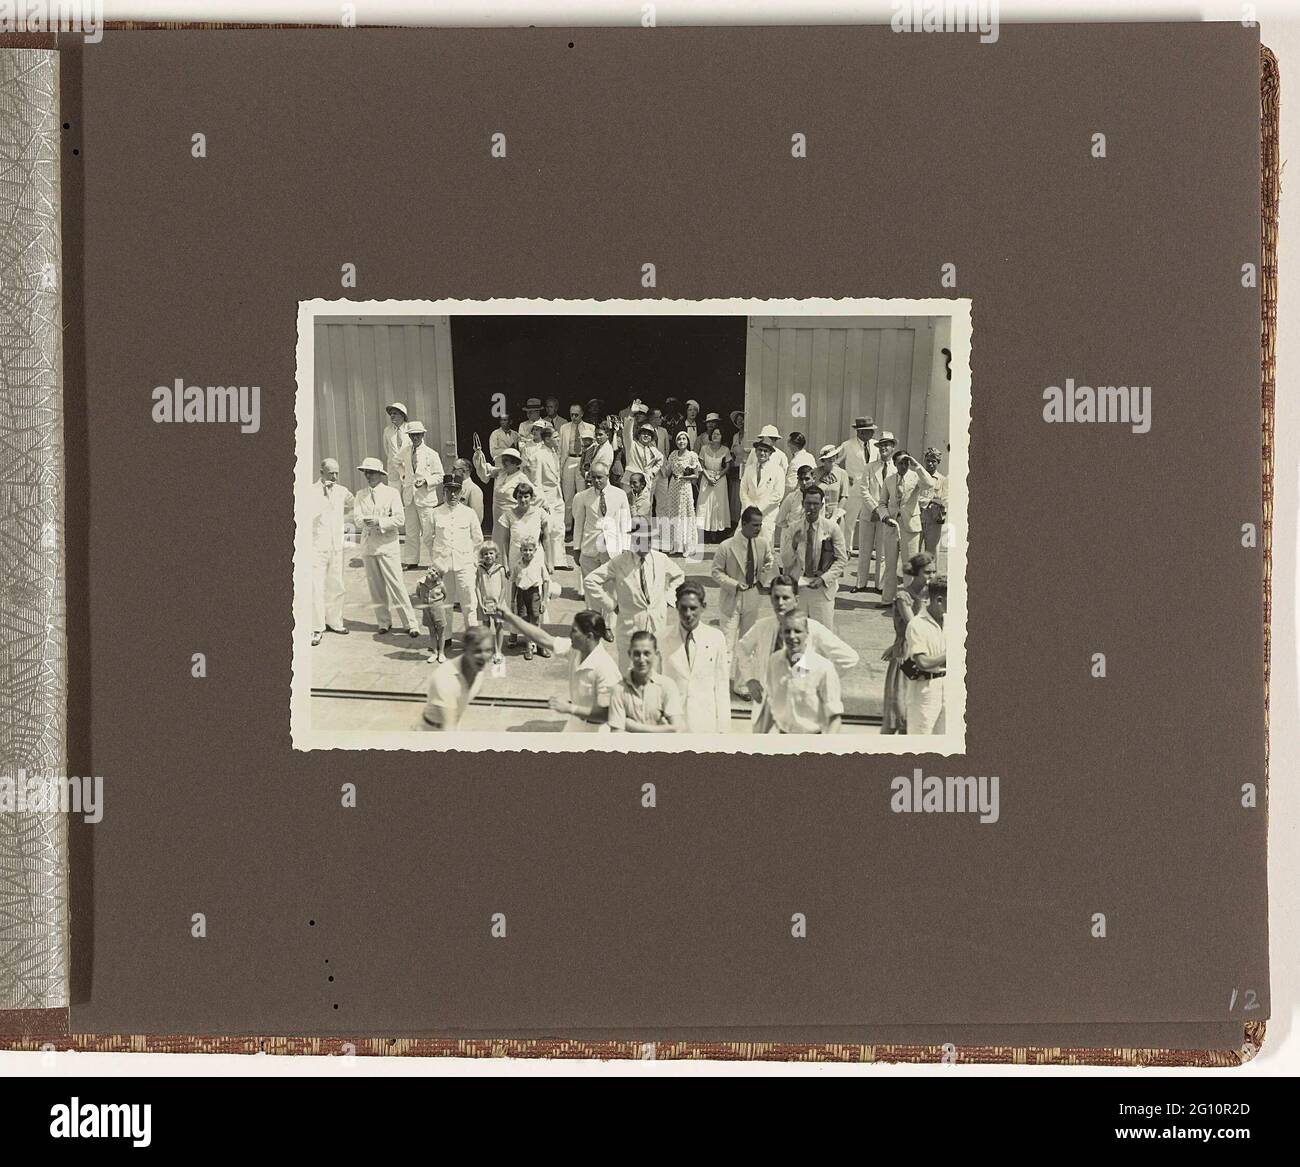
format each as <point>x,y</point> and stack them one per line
<point>577,358</point>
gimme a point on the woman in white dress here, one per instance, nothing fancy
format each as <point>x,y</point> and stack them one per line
<point>713,510</point>
<point>683,471</point>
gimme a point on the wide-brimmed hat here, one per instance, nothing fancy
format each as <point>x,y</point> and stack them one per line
<point>511,452</point>
<point>734,414</point>
<point>533,403</point>
<point>373,464</point>
<point>770,431</point>
<point>415,427</point>
<point>763,443</point>
<point>828,452</point>
<point>864,423</point>
<point>397,405</point>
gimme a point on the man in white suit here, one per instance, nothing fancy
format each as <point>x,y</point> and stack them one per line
<point>457,537</point>
<point>873,518</point>
<point>572,433</point>
<point>813,552</point>
<point>763,484</point>
<point>855,454</point>
<point>695,658</point>
<point>601,520</point>
<point>379,515</point>
<point>421,480</point>
<point>640,585</point>
<point>776,455</point>
<point>331,503</point>
<point>742,565</point>
<point>393,441</point>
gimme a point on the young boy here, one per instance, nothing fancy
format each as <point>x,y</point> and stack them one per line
<point>532,587</point>
<point>490,586</point>
<point>431,593</point>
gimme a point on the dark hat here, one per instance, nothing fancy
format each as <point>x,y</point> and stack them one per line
<point>863,423</point>
<point>763,443</point>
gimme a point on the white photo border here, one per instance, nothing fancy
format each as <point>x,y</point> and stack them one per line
<point>952,742</point>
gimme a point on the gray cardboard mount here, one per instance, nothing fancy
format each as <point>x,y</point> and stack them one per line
<point>671,146</point>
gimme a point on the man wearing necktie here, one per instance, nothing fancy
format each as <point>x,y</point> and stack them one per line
<point>601,519</point>
<point>331,502</point>
<point>856,453</point>
<point>696,660</point>
<point>816,555</point>
<point>421,477</point>
<point>634,591</point>
<point>742,565</point>
<point>572,433</point>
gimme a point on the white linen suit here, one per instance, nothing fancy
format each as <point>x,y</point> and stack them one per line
<point>381,552</point>
<point>330,502</point>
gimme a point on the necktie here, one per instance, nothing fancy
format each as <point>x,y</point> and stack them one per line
<point>810,552</point>
<point>645,587</point>
<point>687,641</point>
<point>749,563</point>
<point>604,506</point>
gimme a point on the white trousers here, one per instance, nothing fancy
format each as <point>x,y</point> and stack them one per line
<point>750,605</point>
<point>869,540</point>
<point>887,557</point>
<point>819,604</point>
<point>925,706</point>
<point>387,591</point>
<point>461,584</point>
<point>852,509</point>
<point>570,483</point>
<point>327,591</point>
<point>419,539</point>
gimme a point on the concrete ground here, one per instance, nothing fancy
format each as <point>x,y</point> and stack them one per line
<point>394,668</point>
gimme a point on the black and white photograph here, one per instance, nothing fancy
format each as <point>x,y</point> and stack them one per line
<point>706,525</point>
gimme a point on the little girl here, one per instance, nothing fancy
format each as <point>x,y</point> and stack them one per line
<point>432,594</point>
<point>491,586</point>
<point>532,585</point>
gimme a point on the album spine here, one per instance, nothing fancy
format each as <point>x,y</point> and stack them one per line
<point>33,664</point>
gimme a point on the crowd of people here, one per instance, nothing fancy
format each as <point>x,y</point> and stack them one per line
<point>635,493</point>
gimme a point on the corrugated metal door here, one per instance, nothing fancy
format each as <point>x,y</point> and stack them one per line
<point>816,373</point>
<point>362,364</point>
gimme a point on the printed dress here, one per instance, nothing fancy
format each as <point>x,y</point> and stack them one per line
<point>714,507</point>
<point>894,715</point>
<point>682,535</point>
